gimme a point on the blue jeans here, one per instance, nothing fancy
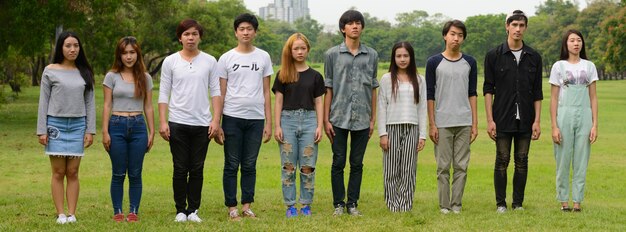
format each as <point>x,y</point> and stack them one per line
<point>129,142</point>
<point>358,144</point>
<point>298,150</point>
<point>241,148</point>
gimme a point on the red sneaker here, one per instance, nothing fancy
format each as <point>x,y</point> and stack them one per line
<point>132,217</point>
<point>118,217</point>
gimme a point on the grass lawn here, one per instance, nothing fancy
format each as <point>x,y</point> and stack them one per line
<point>26,202</point>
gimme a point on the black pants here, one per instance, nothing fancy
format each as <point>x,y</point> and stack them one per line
<point>358,144</point>
<point>521,142</point>
<point>188,145</point>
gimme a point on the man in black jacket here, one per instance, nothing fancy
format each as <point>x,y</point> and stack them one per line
<point>513,95</point>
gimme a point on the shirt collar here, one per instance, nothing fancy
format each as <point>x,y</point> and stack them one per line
<point>526,49</point>
<point>343,48</point>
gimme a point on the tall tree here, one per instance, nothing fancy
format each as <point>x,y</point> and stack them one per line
<point>484,32</point>
<point>616,42</point>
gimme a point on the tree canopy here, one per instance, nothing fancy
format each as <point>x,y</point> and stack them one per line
<point>31,25</point>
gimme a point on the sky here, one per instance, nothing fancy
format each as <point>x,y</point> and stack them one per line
<point>327,12</point>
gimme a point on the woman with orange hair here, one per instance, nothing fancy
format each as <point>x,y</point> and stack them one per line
<point>298,124</point>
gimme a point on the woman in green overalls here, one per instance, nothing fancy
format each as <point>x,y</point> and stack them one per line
<point>574,117</point>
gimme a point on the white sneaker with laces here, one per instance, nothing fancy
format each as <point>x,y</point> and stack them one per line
<point>501,209</point>
<point>71,219</point>
<point>61,219</point>
<point>444,211</point>
<point>194,217</point>
<point>180,217</point>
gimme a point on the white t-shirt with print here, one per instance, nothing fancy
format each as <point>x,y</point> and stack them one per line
<point>564,74</point>
<point>244,73</point>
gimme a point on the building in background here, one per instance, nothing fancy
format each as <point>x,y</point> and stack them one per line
<point>285,10</point>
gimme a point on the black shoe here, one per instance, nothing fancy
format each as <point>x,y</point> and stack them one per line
<point>577,210</point>
<point>566,209</point>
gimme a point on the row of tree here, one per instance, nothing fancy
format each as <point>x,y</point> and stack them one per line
<point>28,34</point>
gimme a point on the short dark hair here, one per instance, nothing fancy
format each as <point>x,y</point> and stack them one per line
<point>186,24</point>
<point>246,18</point>
<point>454,23</point>
<point>350,16</point>
<point>516,15</point>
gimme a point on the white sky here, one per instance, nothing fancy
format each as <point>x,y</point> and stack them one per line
<point>327,12</point>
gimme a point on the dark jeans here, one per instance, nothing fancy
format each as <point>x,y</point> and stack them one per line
<point>358,144</point>
<point>521,142</point>
<point>129,141</point>
<point>243,141</point>
<point>189,145</point>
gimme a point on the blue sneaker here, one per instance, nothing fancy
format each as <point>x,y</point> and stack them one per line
<point>306,211</point>
<point>291,212</point>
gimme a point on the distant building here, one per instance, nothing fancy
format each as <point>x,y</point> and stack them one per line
<point>285,10</point>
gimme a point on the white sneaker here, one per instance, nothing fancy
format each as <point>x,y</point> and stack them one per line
<point>456,209</point>
<point>501,209</point>
<point>194,217</point>
<point>518,208</point>
<point>180,217</point>
<point>61,219</point>
<point>71,219</point>
<point>444,211</point>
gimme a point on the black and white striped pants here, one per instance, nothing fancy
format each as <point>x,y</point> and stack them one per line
<point>400,166</point>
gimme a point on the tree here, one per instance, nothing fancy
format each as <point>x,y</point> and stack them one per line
<point>415,18</point>
<point>616,42</point>
<point>484,32</point>
<point>309,27</point>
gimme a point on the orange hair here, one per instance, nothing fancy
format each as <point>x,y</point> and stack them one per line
<point>288,73</point>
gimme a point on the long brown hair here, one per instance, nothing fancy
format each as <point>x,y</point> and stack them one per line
<point>411,71</point>
<point>288,72</point>
<point>139,69</point>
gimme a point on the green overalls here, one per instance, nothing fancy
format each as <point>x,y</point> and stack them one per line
<point>574,121</point>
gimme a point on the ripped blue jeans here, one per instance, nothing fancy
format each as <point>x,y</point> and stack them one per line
<point>298,150</point>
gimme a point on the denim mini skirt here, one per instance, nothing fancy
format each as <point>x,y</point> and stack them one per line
<point>65,136</point>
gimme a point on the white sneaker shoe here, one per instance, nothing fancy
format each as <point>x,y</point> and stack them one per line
<point>71,219</point>
<point>501,209</point>
<point>194,217</point>
<point>180,217</point>
<point>61,219</point>
<point>444,211</point>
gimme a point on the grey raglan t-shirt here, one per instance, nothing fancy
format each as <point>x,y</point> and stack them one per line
<point>450,83</point>
<point>124,99</point>
<point>62,94</point>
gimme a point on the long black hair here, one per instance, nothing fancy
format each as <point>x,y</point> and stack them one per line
<point>411,71</point>
<point>565,52</point>
<point>81,61</point>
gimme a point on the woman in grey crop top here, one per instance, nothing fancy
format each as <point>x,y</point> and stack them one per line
<point>66,119</point>
<point>127,97</point>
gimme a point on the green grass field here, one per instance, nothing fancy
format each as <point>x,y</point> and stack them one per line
<point>26,203</point>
